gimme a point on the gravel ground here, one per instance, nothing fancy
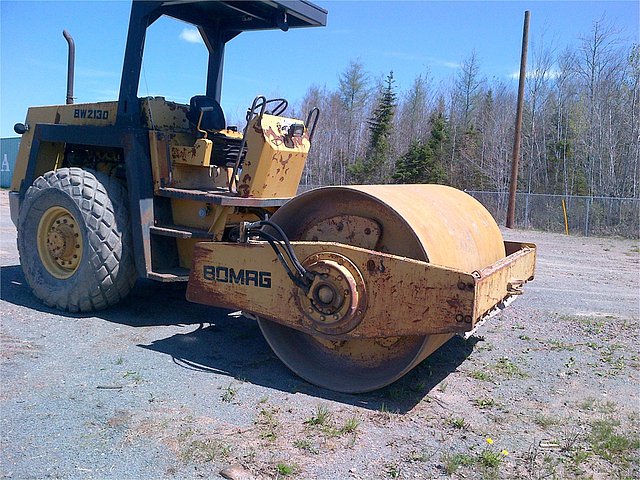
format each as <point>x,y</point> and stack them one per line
<point>161,388</point>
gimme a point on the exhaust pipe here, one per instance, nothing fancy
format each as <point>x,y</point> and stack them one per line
<point>71,65</point>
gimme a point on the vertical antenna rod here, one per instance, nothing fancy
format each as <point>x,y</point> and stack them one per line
<point>511,210</point>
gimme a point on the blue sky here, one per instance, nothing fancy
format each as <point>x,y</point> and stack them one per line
<point>406,37</point>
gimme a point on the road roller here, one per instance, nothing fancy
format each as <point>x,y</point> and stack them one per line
<point>351,286</point>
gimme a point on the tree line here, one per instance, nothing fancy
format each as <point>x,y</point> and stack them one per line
<point>580,136</point>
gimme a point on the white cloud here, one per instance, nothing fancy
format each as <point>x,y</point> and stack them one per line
<point>191,35</point>
<point>548,75</point>
<point>449,64</point>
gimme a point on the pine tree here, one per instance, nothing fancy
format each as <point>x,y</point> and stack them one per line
<point>371,168</point>
<point>423,162</point>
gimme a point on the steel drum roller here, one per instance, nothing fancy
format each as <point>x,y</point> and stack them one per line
<point>432,223</point>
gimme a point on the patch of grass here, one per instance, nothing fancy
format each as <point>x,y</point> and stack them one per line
<point>119,361</point>
<point>321,416</point>
<point>489,458</point>
<point>485,347</point>
<point>134,376</point>
<point>451,462</point>
<point>306,444</point>
<point>458,423</point>
<point>610,444</point>
<point>421,456</point>
<point>546,421</point>
<point>594,405</point>
<point>398,393</point>
<point>592,325</point>
<point>526,338</point>
<point>480,375</point>
<point>285,470</point>
<point>579,457</point>
<point>506,367</point>
<point>229,394</point>
<point>442,387</point>
<point>485,403</point>
<point>268,422</point>
<point>350,426</point>
<point>419,387</point>
<point>206,450</point>
<point>635,249</point>
<point>560,345</point>
<point>393,471</point>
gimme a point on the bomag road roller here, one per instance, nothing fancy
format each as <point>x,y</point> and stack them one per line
<point>352,286</point>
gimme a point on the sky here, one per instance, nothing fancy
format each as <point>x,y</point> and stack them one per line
<point>409,38</point>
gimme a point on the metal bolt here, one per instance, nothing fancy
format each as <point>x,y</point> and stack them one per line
<point>467,319</point>
<point>326,294</point>
<point>335,317</point>
<point>459,318</point>
<point>322,318</point>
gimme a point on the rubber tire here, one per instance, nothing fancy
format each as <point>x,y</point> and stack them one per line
<point>106,273</point>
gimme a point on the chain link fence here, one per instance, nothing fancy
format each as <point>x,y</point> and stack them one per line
<point>600,216</point>
<point>587,216</point>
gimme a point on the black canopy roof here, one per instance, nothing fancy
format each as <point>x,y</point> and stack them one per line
<point>233,16</point>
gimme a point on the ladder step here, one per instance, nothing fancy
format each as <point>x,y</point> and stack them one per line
<point>178,231</point>
<point>220,197</point>
<point>170,275</point>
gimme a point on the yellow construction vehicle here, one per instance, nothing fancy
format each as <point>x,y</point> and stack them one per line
<point>352,286</point>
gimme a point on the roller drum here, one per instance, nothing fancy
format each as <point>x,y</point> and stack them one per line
<point>432,223</point>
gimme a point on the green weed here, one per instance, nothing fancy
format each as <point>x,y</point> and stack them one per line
<point>229,394</point>
<point>204,451</point>
<point>321,416</point>
<point>480,375</point>
<point>484,403</point>
<point>458,423</point>
<point>285,469</point>
<point>453,461</point>
<point>509,369</point>
<point>305,445</point>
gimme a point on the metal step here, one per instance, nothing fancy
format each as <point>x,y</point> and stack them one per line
<point>179,231</point>
<point>220,197</point>
<point>177,274</point>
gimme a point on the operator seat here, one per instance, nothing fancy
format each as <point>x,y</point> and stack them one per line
<point>212,121</point>
<point>226,141</point>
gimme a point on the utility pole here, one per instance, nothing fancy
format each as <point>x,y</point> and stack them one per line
<point>515,156</point>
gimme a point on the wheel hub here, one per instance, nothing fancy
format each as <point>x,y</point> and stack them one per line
<point>336,301</point>
<point>59,242</point>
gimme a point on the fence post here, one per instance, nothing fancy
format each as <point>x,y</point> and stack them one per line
<point>586,219</point>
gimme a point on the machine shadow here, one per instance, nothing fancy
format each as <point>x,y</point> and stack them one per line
<point>234,346</point>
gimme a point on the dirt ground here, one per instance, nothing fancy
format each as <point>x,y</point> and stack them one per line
<point>161,388</point>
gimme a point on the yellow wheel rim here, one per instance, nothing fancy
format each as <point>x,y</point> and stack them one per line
<point>59,242</point>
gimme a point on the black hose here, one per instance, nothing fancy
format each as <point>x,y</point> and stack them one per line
<point>300,282</point>
<point>304,277</point>
<point>289,248</point>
